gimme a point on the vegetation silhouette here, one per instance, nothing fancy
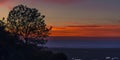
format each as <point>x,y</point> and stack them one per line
<point>20,34</point>
<point>28,23</point>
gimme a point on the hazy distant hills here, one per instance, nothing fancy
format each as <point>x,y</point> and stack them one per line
<point>84,42</point>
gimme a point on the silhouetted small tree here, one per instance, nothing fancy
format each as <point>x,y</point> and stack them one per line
<point>28,23</point>
<point>2,23</point>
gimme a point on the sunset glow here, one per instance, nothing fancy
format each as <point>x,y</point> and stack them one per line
<point>86,18</point>
<point>87,31</point>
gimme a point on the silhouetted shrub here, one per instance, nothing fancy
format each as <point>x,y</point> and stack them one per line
<point>59,56</point>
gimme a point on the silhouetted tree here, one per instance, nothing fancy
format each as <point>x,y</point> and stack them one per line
<point>27,23</point>
<point>7,41</point>
<point>2,23</point>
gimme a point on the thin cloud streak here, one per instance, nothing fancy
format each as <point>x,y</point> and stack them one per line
<point>59,1</point>
<point>87,31</point>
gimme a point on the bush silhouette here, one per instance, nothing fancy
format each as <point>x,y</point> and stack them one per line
<point>59,56</point>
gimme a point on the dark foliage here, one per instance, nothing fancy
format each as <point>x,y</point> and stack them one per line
<point>59,56</point>
<point>13,48</point>
<point>28,23</point>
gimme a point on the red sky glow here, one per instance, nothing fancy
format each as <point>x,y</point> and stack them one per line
<point>87,31</point>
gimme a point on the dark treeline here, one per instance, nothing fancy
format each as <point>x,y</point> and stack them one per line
<point>13,49</point>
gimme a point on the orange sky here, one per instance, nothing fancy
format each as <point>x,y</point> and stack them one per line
<point>87,31</point>
<point>91,14</point>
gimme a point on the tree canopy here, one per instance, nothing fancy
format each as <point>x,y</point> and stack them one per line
<point>25,25</point>
<point>28,24</point>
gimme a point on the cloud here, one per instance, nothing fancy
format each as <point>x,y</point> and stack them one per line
<point>87,31</point>
<point>84,26</point>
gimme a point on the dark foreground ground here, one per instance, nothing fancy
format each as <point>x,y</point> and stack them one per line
<point>90,53</point>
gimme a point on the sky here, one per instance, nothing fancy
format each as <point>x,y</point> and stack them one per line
<point>86,18</point>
